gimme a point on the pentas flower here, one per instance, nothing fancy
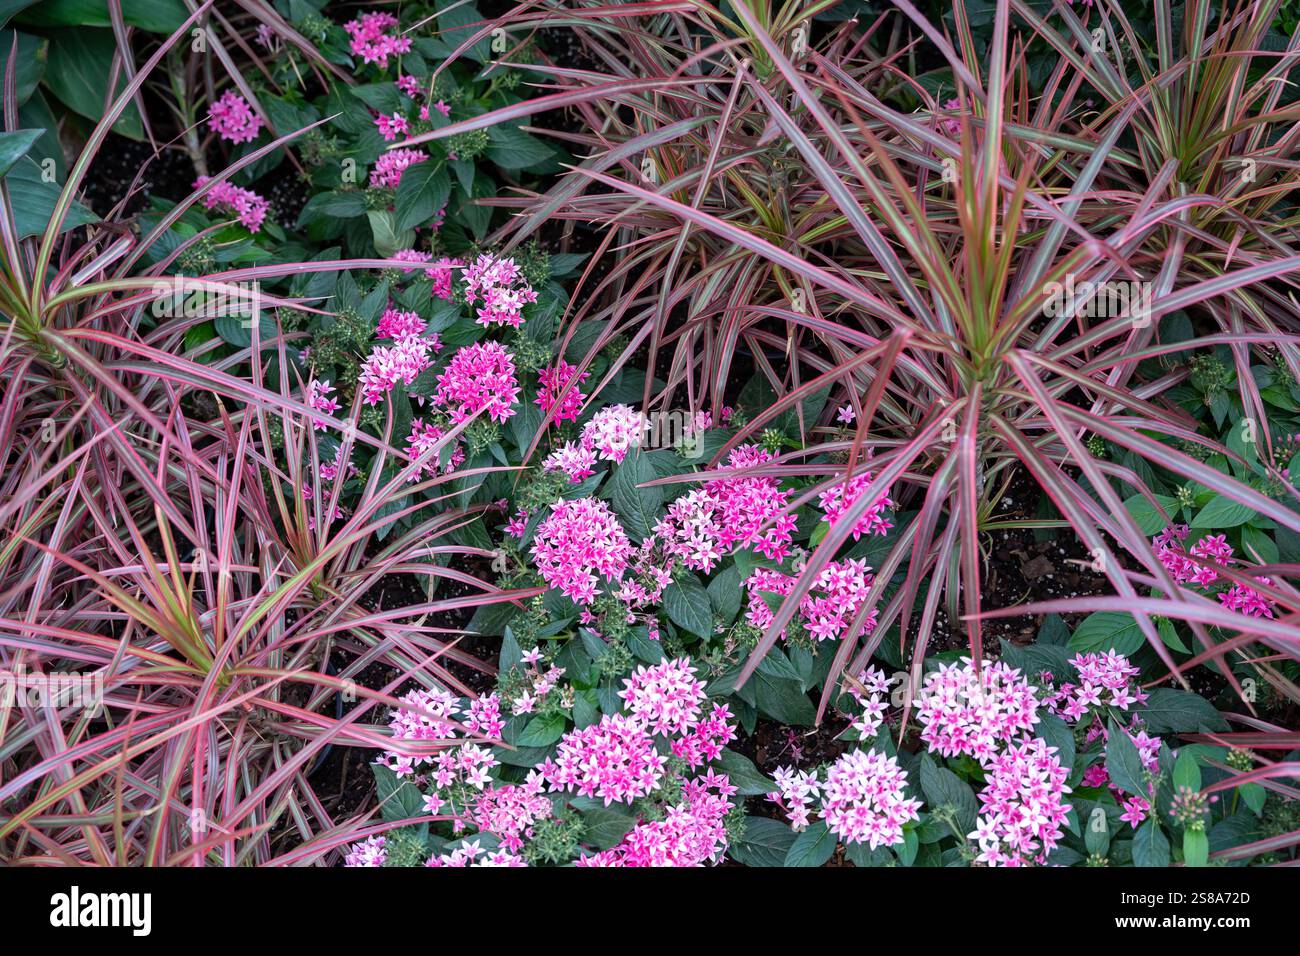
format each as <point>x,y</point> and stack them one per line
<point>388,168</point>
<point>613,431</point>
<point>561,379</point>
<point>1135,811</point>
<point>707,523</point>
<point>332,469</point>
<point>614,760</point>
<point>422,439</point>
<point>830,606</point>
<point>703,743</point>
<point>964,713</point>
<point>233,119</point>
<point>870,691</point>
<point>580,540</point>
<point>1247,600</point>
<point>574,460</point>
<point>516,526</point>
<point>691,833</point>
<point>862,800</point>
<point>469,855</point>
<point>370,852</point>
<point>410,85</point>
<point>1104,680</point>
<point>951,127</point>
<point>386,365</point>
<point>468,765</point>
<point>244,203</point>
<point>372,40</point>
<point>479,377</point>
<point>392,127</point>
<point>510,811</point>
<point>842,496</point>
<point>501,288</point>
<point>318,397</point>
<point>441,274</point>
<point>429,715</point>
<point>398,325</point>
<point>666,697</point>
<point>1022,807</point>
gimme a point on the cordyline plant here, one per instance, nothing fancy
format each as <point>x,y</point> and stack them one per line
<point>188,572</point>
<point>999,277</point>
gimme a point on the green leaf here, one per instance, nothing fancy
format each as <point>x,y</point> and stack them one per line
<point>1169,711</point>
<point>512,149</point>
<point>1147,518</point>
<point>637,508</point>
<point>1223,512</point>
<point>1124,763</point>
<point>812,847</point>
<point>944,789</point>
<point>687,605</point>
<point>542,731</point>
<point>323,207</point>
<point>605,827</point>
<point>156,16</point>
<point>1196,847</point>
<point>724,593</point>
<point>33,201</point>
<point>30,65</point>
<point>765,842</point>
<point>1058,734</point>
<point>14,146</point>
<point>1150,845</point>
<point>1106,630</point>
<point>744,776</point>
<point>423,191</point>
<point>783,700</point>
<point>398,798</point>
<point>79,68</point>
<point>1187,772</point>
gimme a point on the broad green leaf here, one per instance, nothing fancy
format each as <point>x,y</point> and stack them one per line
<point>1107,630</point>
<point>78,72</point>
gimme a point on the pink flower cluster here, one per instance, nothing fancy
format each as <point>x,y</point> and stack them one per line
<point>964,713</point>
<point>580,540</point>
<point>233,119</point>
<point>318,397</point>
<point>386,365</point>
<point>558,388</point>
<point>371,852</point>
<point>423,438</point>
<point>429,715</point>
<point>871,696</point>
<point>1212,550</point>
<point>863,798</point>
<point>614,760</point>
<point>509,811</point>
<point>479,377</point>
<point>666,697</point>
<point>543,682</point>
<point>1022,810</point>
<point>469,855</point>
<point>691,833</point>
<point>832,604</point>
<point>392,127</point>
<point>1108,674</point>
<point>501,288</point>
<point>389,167</point>
<point>244,203</point>
<point>371,39</point>
<point>843,496</point>
<point>729,513</point>
<point>610,435</point>
<point>441,274</point>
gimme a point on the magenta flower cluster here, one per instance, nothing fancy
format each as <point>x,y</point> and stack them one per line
<point>499,289</point>
<point>244,203</point>
<point>1201,565</point>
<point>832,604</point>
<point>373,38</point>
<point>578,543</point>
<point>233,119</point>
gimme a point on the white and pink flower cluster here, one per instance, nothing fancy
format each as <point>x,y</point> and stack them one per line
<point>692,833</point>
<point>388,168</point>
<point>578,543</point>
<point>403,361</point>
<point>727,514</point>
<point>962,712</point>
<point>610,434</point>
<point>1022,810</point>
<point>862,800</point>
<point>837,595</point>
<point>479,377</point>
<point>498,287</point>
<point>1104,680</point>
